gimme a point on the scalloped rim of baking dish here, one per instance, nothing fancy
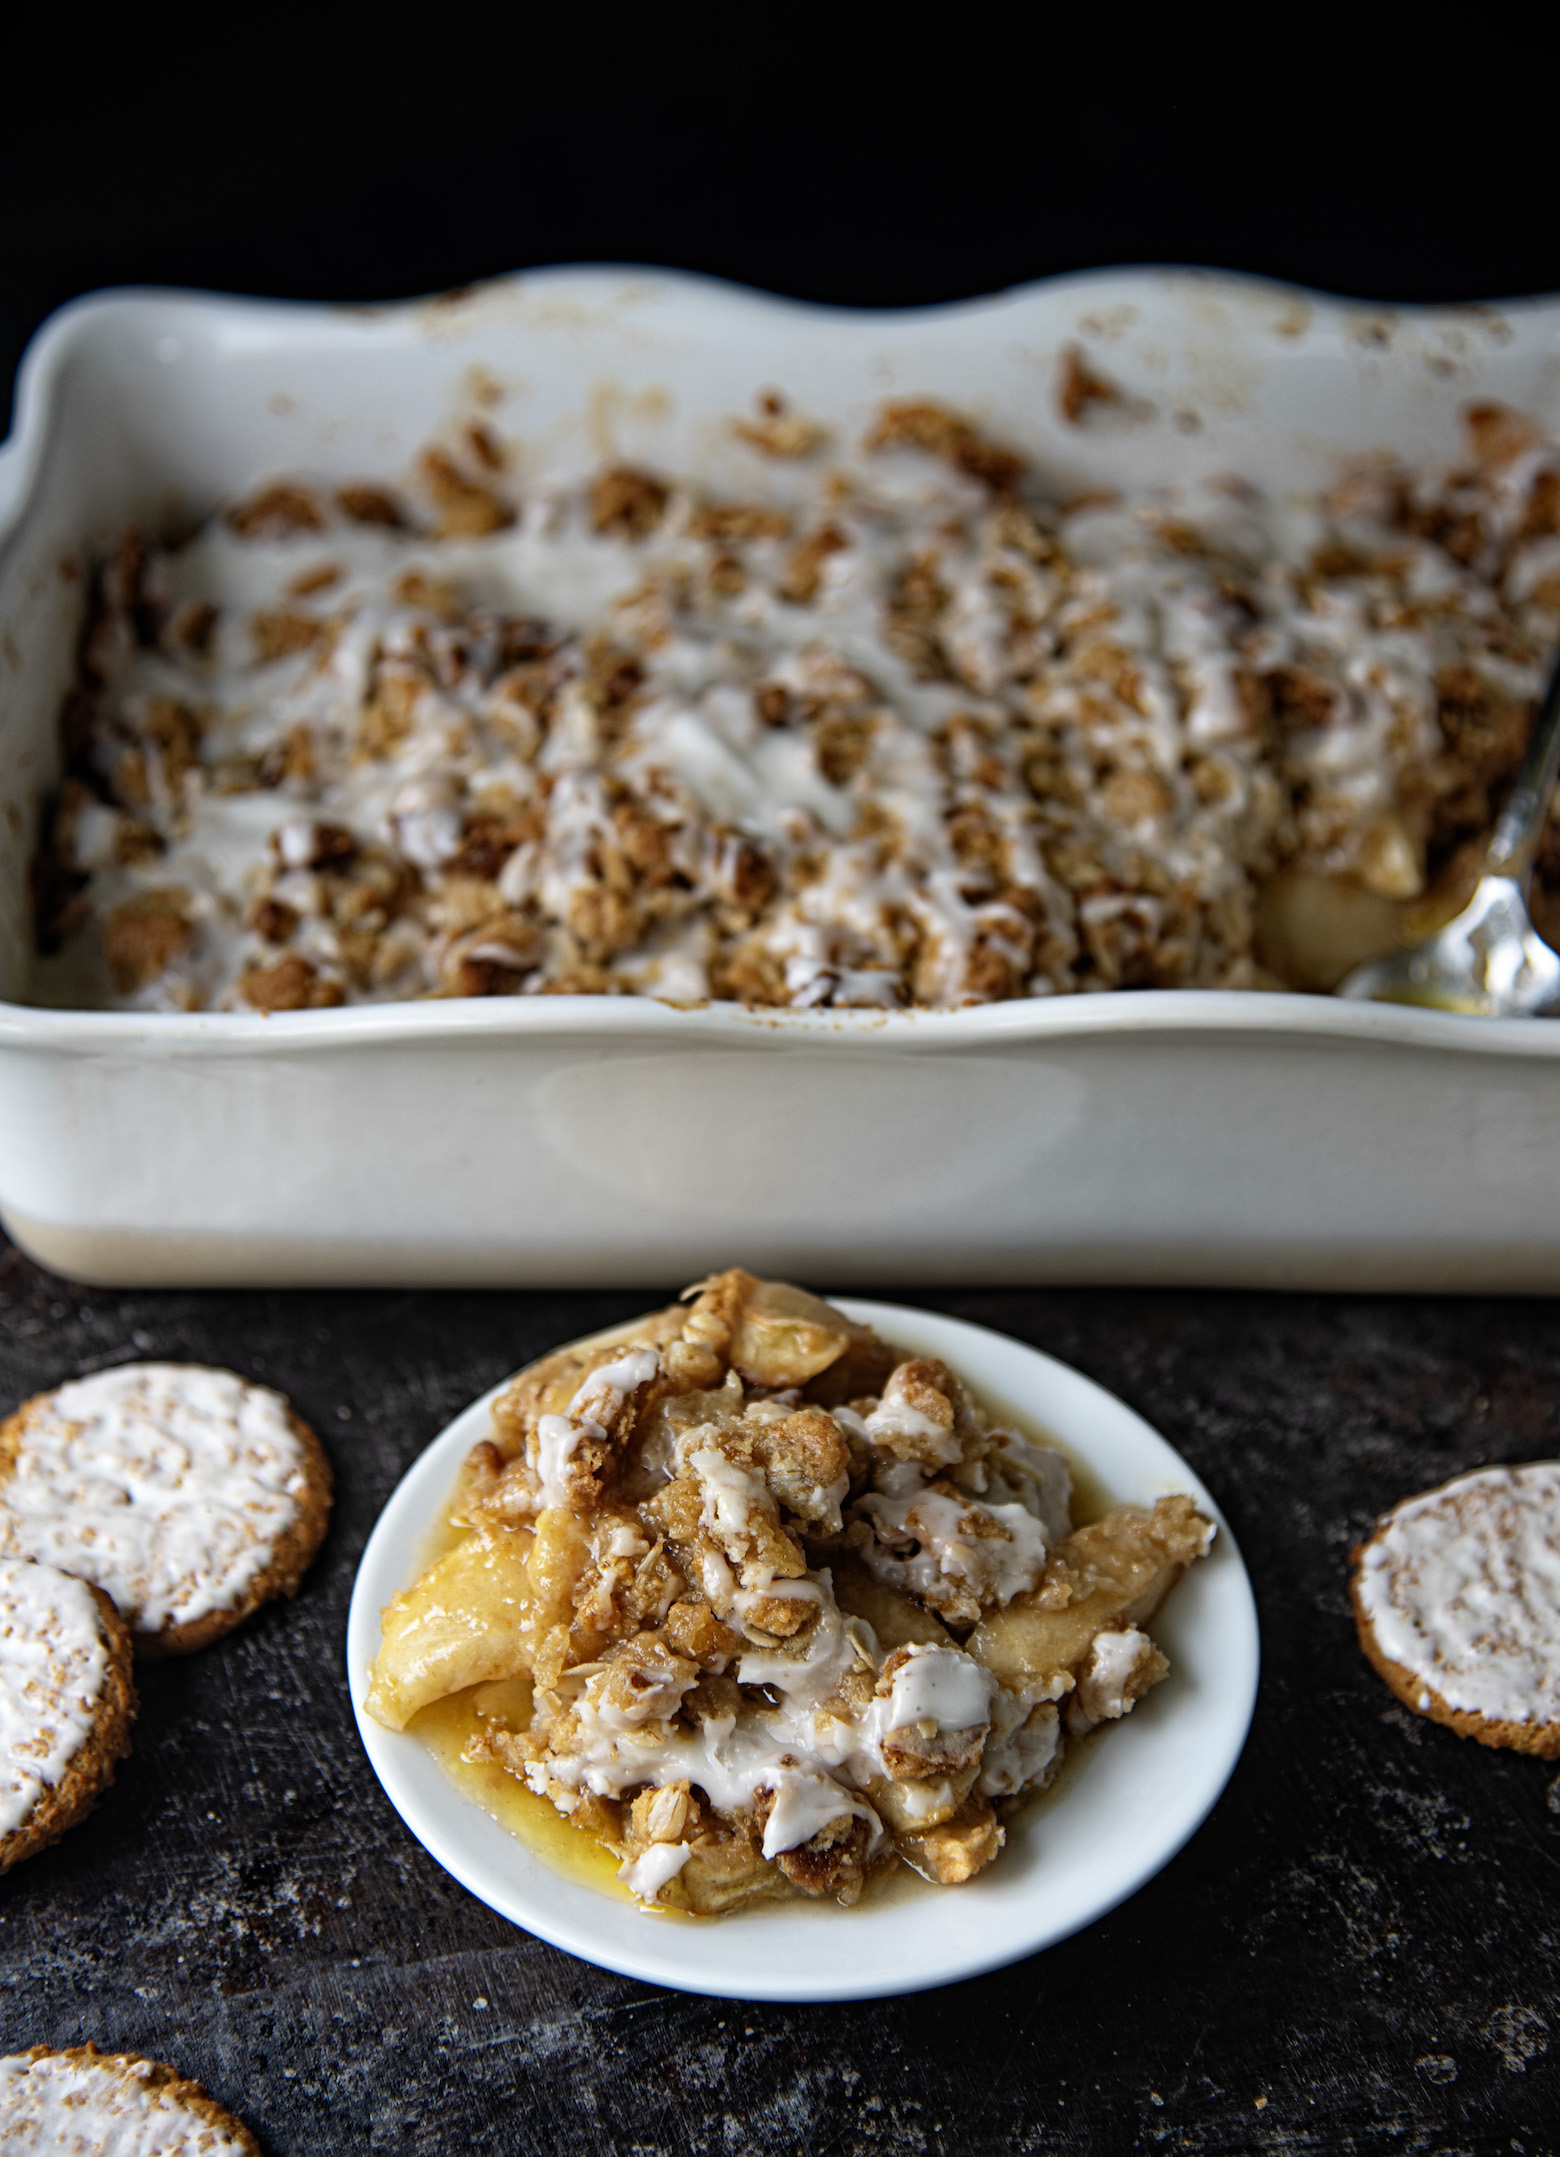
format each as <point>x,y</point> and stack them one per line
<point>1151,1012</point>
<point>1157,1012</point>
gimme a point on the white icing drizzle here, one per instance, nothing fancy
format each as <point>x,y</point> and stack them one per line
<point>929,1542</point>
<point>649,1873</point>
<point>810,1751</point>
<point>806,1801</point>
<point>1021,1743</point>
<point>797,1750</point>
<point>895,1419</point>
<point>1019,1472</point>
<point>103,2107</point>
<point>1113,1660</point>
<point>604,1391</point>
<point>53,1662</point>
<point>1462,1587</point>
<point>940,1686</point>
<point>165,1484</point>
<point>826,1729</point>
<point>732,1496</point>
<point>925,855</point>
<point>556,1440</point>
<point>814,1751</point>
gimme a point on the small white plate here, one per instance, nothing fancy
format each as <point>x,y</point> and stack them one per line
<point>1142,1790</point>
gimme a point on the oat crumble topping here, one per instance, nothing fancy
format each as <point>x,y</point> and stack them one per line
<point>915,734</point>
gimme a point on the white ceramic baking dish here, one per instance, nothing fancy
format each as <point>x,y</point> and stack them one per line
<point>1148,1137</point>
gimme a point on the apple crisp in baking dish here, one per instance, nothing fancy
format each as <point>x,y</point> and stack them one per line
<point>767,1608</point>
<point>896,728</point>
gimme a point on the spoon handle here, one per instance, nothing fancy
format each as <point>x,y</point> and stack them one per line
<point>1520,824</point>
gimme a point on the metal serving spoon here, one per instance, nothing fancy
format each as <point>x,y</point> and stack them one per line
<point>1490,959</point>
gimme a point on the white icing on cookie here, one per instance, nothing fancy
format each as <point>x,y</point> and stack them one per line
<point>165,1484</point>
<point>1462,1587</point>
<point>75,2106</point>
<point>52,1665</point>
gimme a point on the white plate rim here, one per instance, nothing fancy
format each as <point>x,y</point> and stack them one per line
<point>1210,1626</point>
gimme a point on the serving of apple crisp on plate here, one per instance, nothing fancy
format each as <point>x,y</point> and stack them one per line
<point>763,1603</point>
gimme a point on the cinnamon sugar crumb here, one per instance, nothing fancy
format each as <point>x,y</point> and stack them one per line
<point>1080,387</point>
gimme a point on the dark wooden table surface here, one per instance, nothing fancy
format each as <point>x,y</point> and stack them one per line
<point>1357,1953</point>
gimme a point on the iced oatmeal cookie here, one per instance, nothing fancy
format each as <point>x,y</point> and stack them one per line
<point>86,2103</point>
<point>767,1606</point>
<point>67,1700</point>
<point>188,1495</point>
<point>1457,1601</point>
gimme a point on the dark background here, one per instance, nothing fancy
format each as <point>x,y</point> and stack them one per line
<point>882,164</point>
<point>1358,1952</point>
